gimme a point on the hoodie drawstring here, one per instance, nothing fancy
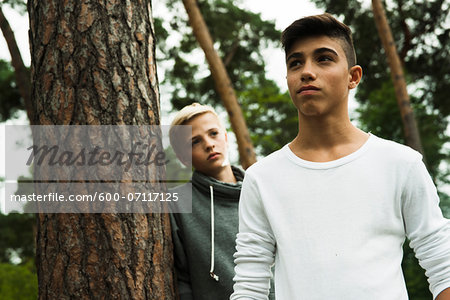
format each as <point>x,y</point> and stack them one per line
<point>211,271</point>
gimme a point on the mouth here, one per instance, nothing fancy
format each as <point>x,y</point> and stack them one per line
<point>213,155</point>
<point>307,89</point>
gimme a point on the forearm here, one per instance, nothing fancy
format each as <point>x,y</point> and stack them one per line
<point>444,295</point>
<point>180,260</point>
<point>253,269</point>
<point>185,290</point>
<point>427,229</point>
<point>255,245</point>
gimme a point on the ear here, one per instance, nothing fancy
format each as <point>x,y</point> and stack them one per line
<point>355,75</point>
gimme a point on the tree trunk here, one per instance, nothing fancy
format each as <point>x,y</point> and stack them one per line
<point>411,131</point>
<point>93,63</point>
<point>223,84</point>
<point>21,72</point>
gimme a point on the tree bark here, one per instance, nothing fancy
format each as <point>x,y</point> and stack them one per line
<point>93,63</point>
<point>223,84</point>
<point>411,131</point>
<point>21,73</point>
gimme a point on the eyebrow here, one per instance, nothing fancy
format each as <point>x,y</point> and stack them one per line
<point>316,51</point>
<point>199,135</point>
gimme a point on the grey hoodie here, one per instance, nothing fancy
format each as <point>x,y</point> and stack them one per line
<point>201,275</point>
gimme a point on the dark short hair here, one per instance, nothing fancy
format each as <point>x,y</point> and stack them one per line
<point>320,25</point>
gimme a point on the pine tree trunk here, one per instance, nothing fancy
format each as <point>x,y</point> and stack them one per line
<point>93,63</point>
<point>21,72</point>
<point>410,129</point>
<point>223,84</point>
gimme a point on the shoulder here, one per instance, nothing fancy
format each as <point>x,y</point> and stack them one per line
<point>238,173</point>
<point>394,152</point>
<point>269,162</point>
<point>180,188</point>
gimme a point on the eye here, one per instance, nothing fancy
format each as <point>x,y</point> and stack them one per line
<point>214,133</point>
<point>324,58</point>
<point>195,141</point>
<point>294,63</point>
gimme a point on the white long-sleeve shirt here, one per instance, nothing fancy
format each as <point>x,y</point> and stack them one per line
<point>335,229</point>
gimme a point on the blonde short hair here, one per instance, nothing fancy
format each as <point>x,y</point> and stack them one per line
<point>186,114</point>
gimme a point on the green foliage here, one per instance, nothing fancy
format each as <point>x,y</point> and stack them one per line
<point>445,204</point>
<point>17,237</point>
<point>10,100</point>
<point>380,115</point>
<point>162,34</point>
<point>416,281</point>
<point>239,37</point>
<point>277,118</point>
<point>18,281</point>
<point>19,5</point>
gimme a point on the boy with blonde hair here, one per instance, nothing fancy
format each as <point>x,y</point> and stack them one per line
<point>204,240</point>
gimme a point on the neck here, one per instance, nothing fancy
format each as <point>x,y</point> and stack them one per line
<point>325,139</point>
<point>225,175</point>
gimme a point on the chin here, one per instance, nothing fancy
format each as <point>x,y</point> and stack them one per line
<point>310,112</point>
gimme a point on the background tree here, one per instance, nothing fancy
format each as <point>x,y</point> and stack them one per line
<point>410,129</point>
<point>10,100</point>
<point>11,97</point>
<point>17,238</point>
<point>18,279</point>
<point>22,75</point>
<point>93,63</point>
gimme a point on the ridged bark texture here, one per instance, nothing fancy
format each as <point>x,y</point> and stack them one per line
<point>93,63</point>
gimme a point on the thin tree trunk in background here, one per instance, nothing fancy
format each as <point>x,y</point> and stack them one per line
<point>223,84</point>
<point>21,73</point>
<point>93,63</point>
<point>411,131</point>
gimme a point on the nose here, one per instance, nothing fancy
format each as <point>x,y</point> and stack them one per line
<point>308,73</point>
<point>209,143</point>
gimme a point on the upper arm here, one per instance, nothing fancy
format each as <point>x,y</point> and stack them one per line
<point>426,227</point>
<point>180,258</point>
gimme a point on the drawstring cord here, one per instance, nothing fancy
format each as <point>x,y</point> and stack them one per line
<point>211,272</point>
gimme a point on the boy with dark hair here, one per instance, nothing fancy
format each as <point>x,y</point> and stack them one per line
<point>332,208</point>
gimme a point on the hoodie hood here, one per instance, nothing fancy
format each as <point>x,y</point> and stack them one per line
<point>223,191</point>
